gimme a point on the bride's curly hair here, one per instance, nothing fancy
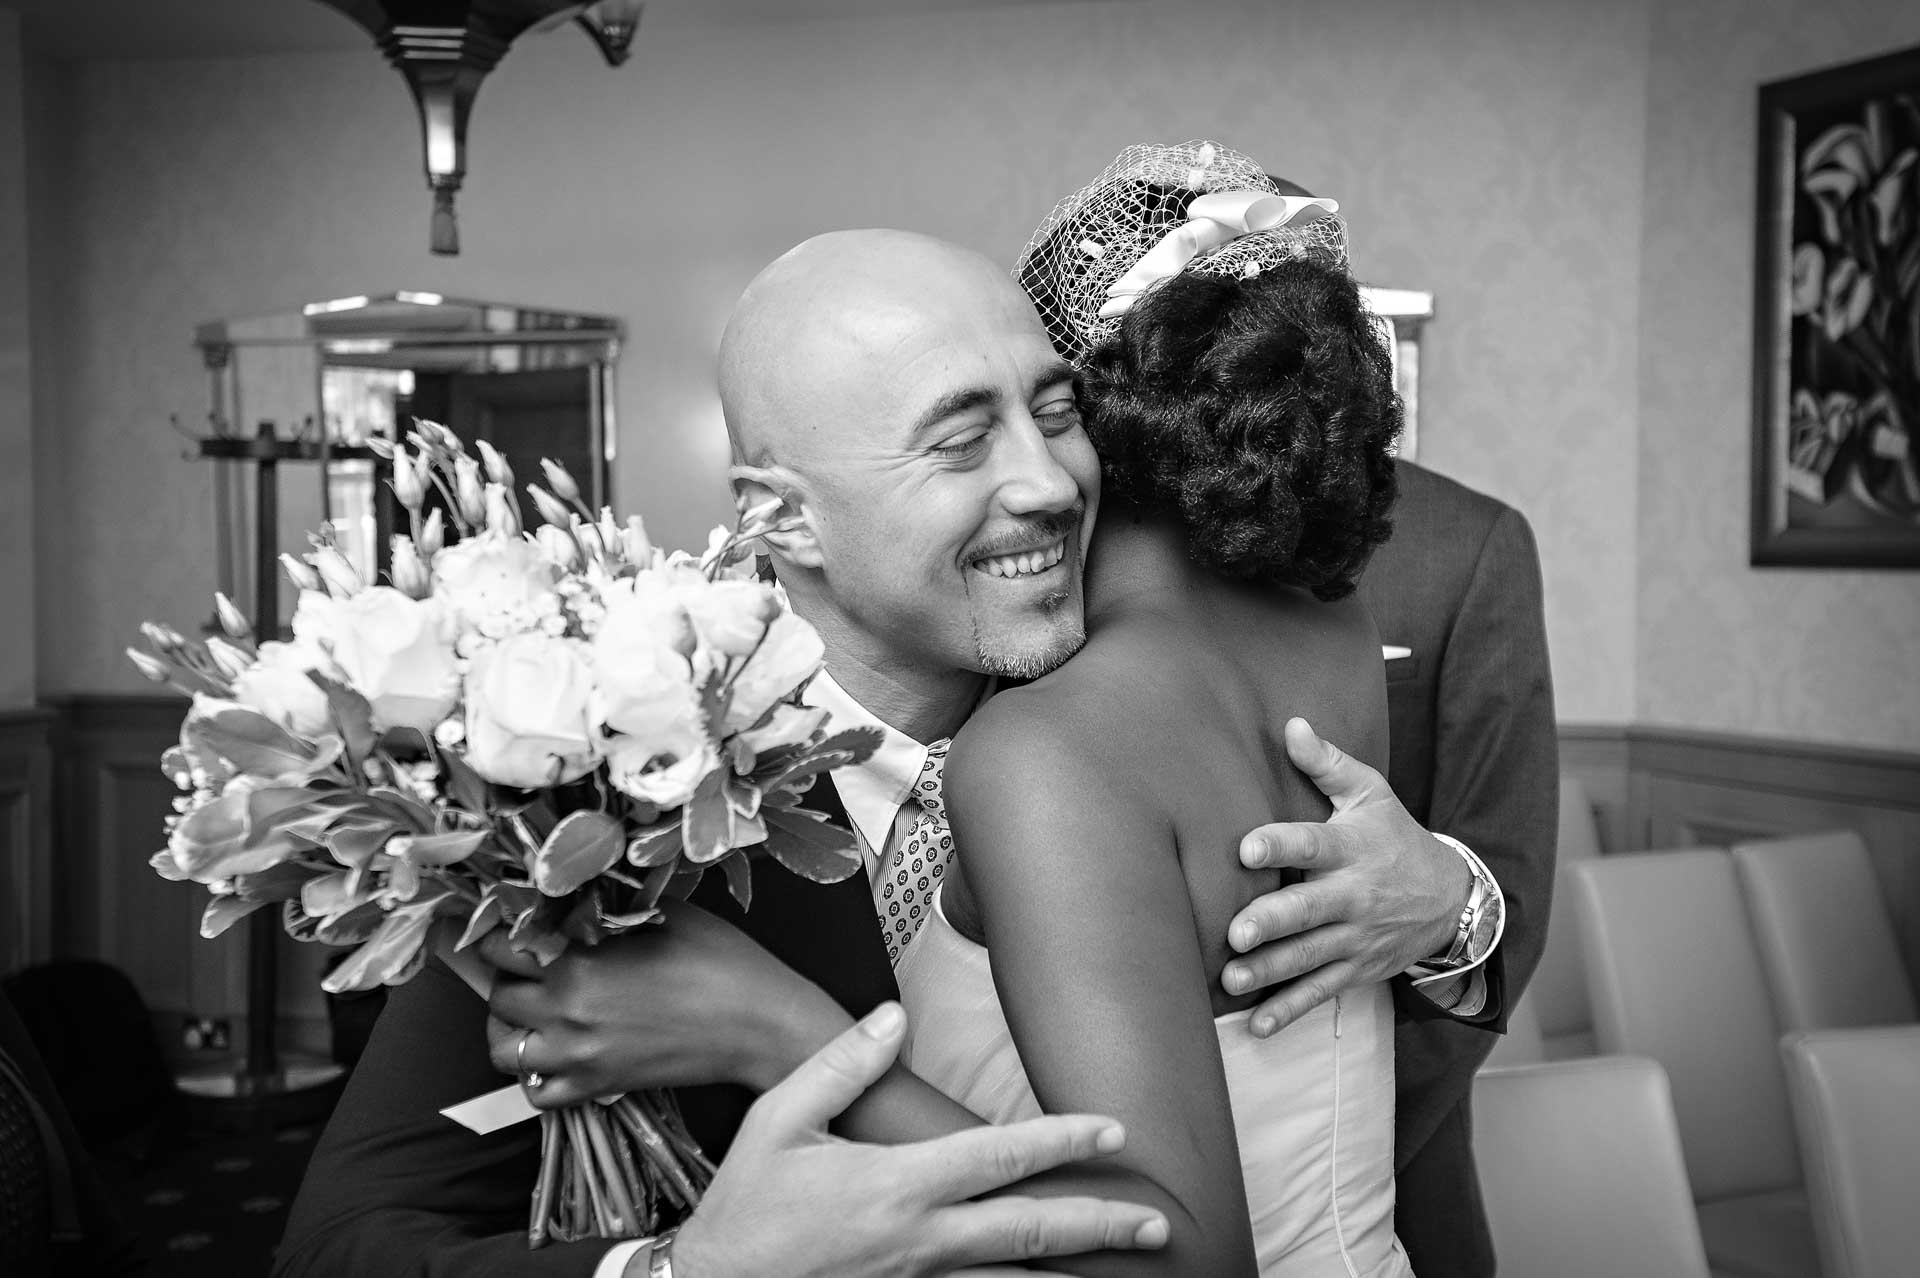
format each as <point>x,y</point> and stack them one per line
<point>1259,411</point>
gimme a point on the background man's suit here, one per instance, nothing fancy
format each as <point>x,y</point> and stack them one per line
<point>1475,756</point>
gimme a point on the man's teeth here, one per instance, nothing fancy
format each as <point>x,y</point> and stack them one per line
<point>1024,565</point>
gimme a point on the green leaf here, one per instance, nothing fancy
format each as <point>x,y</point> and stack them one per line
<point>254,743</point>
<point>391,955</point>
<point>582,846</point>
<point>465,786</point>
<point>656,846</point>
<point>223,912</point>
<point>806,843</point>
<point>840,750</point>
<point>486,916</point>
<point>709,822</point>
<point>352,718</point>
<point>436,850</point>
<point>739,878</point>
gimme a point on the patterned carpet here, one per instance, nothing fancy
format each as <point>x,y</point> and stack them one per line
<point>216,1202</point>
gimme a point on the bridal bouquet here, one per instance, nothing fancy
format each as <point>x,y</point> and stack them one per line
<point>542,731</point>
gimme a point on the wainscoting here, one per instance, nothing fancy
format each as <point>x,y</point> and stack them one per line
<point>82,801</point>
<point>1656,788</point>
<point>107,903</point>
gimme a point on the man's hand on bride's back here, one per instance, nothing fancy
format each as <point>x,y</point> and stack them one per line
<point>693,1001</point>
<point>1381,893</point>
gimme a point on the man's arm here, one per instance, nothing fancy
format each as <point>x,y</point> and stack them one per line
<point>394,1189</point>
<point>1496,753</point>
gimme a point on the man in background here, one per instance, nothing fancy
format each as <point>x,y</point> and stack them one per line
<point>1475,754</point>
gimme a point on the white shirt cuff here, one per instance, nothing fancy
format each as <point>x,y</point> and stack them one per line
<point>1465,986</point>
<point>614,1263</point>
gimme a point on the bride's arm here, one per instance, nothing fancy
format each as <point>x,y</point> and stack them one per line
<point>1098,966</point>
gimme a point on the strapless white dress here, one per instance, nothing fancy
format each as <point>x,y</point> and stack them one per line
<point>1312,1105</point>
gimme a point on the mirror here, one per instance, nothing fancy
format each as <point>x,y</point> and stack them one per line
<point>330,376</point>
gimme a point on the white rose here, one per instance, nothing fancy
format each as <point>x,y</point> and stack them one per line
<point>491,575</point>
<point>730,616</point>
<point>790,654</point>
<point>529,720</point>
<point>663,767</point>
<point>278,687</point>
<point>397,653</point>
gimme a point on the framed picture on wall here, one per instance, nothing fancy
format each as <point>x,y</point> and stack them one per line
<point>1836,351</point>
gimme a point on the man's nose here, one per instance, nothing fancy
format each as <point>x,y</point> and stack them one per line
<point>1035,481</point>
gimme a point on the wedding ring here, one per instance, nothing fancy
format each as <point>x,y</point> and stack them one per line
<point>529,1079</point>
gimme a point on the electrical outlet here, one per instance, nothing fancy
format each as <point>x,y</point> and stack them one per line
<point>205,1033</point>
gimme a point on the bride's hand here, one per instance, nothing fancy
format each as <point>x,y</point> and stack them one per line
<point>693,1001</point>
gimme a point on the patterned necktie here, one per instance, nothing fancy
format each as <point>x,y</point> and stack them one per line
<point>916,866</point>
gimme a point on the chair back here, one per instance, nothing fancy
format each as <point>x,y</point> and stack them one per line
<point>1856,1101</point>
<point>1826,941</point>
<point>1523,1043</point>
<point>1676,977</point>
<point>1581,1171</point>
<point>1558,990</point>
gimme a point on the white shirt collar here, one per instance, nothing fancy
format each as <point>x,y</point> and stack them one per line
<point>874,790</point>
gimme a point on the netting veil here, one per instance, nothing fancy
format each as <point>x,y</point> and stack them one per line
<point>1093,241</point>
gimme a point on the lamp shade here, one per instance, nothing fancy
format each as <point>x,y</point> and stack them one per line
<point>445,48</point>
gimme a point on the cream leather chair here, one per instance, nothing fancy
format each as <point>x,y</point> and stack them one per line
<point>1581,1171</point>
<point>1522,1044</point>
<point>1825,939</point>
<point>1675,976</point>
<point>1558,990</point>
<point>1856,1101</point>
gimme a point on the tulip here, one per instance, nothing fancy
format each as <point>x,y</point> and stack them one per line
<point>558,546</point>
<point>501,516</point>
<point>468,492</point>
<point>408,571</point>
<point>634,543</point>
<point>165,639</point>
<point>302,577</point>
<point>339,574</point>
<point>150,666</point>
<point>559,480</point>
<point>409,479</point>
<point>433,535</point>
<point>551,508</point>
<point>231,661</point>
<point>232,620</point>
<point>497,469</point>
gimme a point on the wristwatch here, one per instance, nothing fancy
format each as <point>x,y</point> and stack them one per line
<point>1481,919</point>
<point>660,1256</point>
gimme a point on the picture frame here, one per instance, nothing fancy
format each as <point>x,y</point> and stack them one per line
<point>1401,314</point>
<point>1836,349</point>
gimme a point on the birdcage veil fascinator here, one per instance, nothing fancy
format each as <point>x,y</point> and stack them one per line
<point>1155,212</point>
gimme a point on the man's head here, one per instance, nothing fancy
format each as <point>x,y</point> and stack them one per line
<point>900,397</point>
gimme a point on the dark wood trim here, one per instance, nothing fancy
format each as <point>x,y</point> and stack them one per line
<point>26,836</point>
<point>1856,774</point>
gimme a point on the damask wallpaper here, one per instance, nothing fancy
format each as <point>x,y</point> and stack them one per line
<point>1488,160</point>
<point>1815,654</point>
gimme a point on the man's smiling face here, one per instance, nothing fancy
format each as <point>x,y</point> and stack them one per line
<point>947,480</point>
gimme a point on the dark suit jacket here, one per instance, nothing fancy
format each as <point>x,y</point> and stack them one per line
<point>395,1190</point>
<point>1474,755</point>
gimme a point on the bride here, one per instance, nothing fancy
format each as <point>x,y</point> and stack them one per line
<point>1242,405</point>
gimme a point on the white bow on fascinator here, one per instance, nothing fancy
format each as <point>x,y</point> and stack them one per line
<point>1155,212</point>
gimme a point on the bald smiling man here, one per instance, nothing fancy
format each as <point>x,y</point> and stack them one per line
<point>901,399</point>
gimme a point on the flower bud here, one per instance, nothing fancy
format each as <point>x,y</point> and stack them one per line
<point>433,534</point>
<point>231,661</point>
<point>232,620</point>
<point>609,528</point>
<point>409,479</point>
<point>497,469</point>
<point>559,480</point>
<point>408,571</point>
<point>150,666</point>
<point>501,516</point>
<point>468,490</point>
<point>558,546</point>
<point>551,508</point>
<point>165,639</point>
<point>341,577</point>
<point>302,577</point>
<point>634,543</point>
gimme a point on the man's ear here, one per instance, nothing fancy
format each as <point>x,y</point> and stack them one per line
<point>796,542</point>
